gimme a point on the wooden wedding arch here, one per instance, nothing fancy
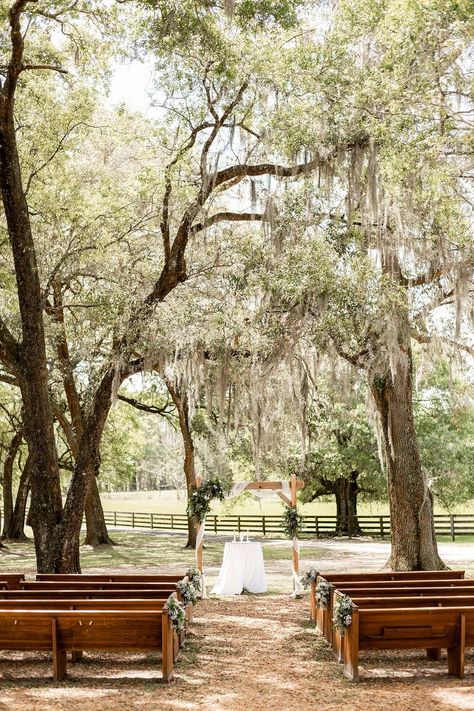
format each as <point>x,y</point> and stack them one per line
<point>279,488</point>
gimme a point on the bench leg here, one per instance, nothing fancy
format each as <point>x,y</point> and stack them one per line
<point>77,656</point>
<point>456,654</point>
<point>350,642</point>
<point>433,653</point>
<point>59,655</point>
<point>167,647</point>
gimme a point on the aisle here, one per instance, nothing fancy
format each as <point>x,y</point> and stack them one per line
<point>250,653</point>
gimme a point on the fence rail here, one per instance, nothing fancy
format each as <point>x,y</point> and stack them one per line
<point>450,525</point>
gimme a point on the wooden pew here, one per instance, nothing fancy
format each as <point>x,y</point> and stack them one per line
<point>11,580</point>
<point>82,630</point>
<point>450,628</point>
<point>110,577</point>
<point>87,593</point>
<point>417,579</point>
<point>407,601</point>
<point>90,584</point>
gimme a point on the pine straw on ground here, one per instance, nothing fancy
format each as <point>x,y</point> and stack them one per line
<point>249,653</point>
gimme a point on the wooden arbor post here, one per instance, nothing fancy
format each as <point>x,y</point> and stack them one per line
<point>277,487</point>
<point>296,552</point>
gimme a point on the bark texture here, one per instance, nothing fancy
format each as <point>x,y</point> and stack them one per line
<point>7,480</point>
<point>180,400</point>
<point>96,528</point>
<point>16,527</point>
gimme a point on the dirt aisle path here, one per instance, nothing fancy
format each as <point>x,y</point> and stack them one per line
<point>245,654</point>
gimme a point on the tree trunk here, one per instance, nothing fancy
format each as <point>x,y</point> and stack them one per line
<point>7,481</point>
<point>16,529</point>
<point>411,508</point>
<point>346,490</point>
<point>181,402</point>
<point>28,358</point>
<point>97,534</point>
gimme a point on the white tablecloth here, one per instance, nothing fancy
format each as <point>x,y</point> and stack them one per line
<point>241,568</point>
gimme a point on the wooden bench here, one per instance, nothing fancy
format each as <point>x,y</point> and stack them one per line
<point>411,601</point>
<point>110,577</point>
<point>83,630</point>
<point>323,616</point>
<point>450,628</point>
<point>11,580</point>
<point>93,585</point>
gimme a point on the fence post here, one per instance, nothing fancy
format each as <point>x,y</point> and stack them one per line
<point>453,530</point>
<point>133,519</point>
<point>172,522</point>
<point>316,526</point>
<point>151,520</point>
<point>238,523</point>
<point>115,518</point>
<point>381,527</point>
<point>264,530</point>
<point>215,524</point>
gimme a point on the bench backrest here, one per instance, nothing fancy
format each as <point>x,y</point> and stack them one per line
<point>375,603</point>
<point>90,584</point>
<point>81,604</point>
<point>81,630</point>
<point>110,577</point>
<point>392,575</point>
<point>404,583</point>
<point>85,593</point>
<point>401,628</point>
<point>398,591</point>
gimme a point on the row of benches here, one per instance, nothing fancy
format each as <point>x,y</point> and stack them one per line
<point>421,609</point>
<point>77,613</point>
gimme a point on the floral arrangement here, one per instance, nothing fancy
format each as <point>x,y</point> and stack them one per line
<point>199,503</point>
<point>292,521</point>
<point>323,593</point>
<point>342,614</point>
<point>176,613</point>
<point>309,577</point>
<point>194,577</point>
<point>188,592</point>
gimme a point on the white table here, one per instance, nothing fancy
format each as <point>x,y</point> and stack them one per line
<point>242,567</point>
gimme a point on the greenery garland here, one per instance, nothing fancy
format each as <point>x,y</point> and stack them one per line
<point>323,593</point>
<point>309,577</point>
<point>342,614</point>
<point>176,613</point>
<point>188,592</point>
<point>194,577</point>
<point>199,503</point>
<point>292,522</point>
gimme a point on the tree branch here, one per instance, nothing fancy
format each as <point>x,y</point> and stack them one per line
<point>228,217</point>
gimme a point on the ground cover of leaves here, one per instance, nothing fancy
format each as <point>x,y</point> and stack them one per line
<point>248,653</point>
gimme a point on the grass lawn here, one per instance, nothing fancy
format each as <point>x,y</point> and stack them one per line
<point>175,502</point>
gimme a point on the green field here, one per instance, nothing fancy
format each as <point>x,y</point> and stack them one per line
<point>167,501</point>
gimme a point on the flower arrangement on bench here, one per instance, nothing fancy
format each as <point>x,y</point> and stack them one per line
<point>342,614</point>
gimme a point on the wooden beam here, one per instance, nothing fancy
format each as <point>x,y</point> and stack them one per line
<point>275,485</point>
<point>283,497</point>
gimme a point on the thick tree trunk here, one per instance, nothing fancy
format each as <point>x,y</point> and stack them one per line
<point>181,402</point>
<point>96,528</point>
<point>7,480</point>
<point>28,358</point>
<point>411,508</point>
<point>346,490</point>
<point>16,528</point>
<point>87,464</point>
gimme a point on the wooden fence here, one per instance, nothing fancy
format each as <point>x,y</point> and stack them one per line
<point>450,525</point>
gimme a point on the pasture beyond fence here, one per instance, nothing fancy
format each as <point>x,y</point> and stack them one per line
<point>450,525</point>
